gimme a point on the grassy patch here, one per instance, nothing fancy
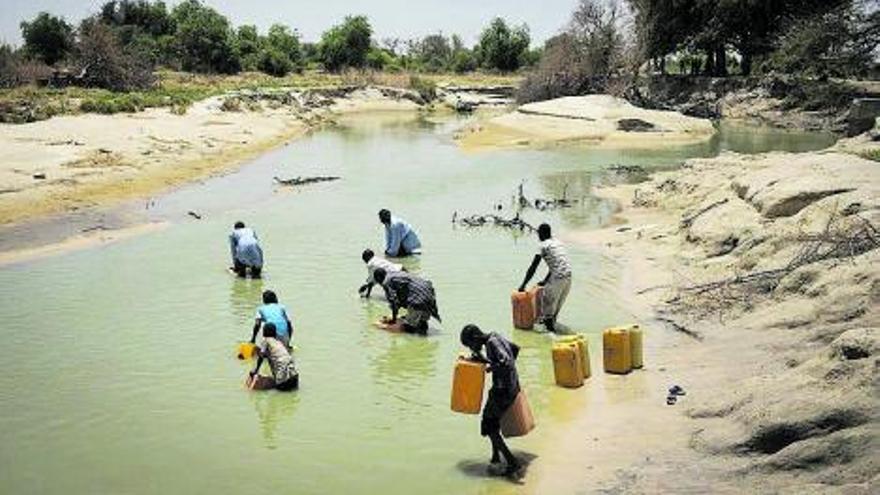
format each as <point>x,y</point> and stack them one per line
<point>872,154</point>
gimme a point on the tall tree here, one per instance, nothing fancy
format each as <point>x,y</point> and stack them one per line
<point>347,44</point>
<point>501,47</point>
<point>47,38</point>
<point>204,39</point>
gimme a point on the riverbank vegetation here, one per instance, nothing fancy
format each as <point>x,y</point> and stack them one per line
<point>608,44</point>
<point>137,54</point>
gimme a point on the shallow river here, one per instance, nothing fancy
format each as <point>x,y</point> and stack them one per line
<point>119,371</point>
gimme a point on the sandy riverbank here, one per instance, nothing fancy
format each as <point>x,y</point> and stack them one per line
<point>598,121</point>
<point>781,371</point>
<point>73,162</point>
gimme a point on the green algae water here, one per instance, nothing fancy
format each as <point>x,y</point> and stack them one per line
<point>119,371</point>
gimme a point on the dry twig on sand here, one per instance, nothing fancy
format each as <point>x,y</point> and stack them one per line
<point>839,240</point>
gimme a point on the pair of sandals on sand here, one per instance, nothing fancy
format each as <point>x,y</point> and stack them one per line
<point>674,392</point>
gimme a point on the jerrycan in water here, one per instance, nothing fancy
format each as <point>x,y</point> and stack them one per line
<point>518,419</point>
<point>616,352</point>
<point>636,337</point>
<point>583,351</point>
<point>245,350</point>
<point>567,365</point>
<point>467,386</point>
<point>525,308</point>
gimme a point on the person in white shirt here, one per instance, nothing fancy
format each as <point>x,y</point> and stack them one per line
<point>373,262</point>
<point>557,283</point>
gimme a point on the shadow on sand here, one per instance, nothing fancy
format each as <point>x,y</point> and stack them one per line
<point>480,468</point>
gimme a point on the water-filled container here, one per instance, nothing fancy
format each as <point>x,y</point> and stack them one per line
<point>583,351</point>
<point>245,350</point>
<point>567,365</point>
<point>467,386</point>
<point>518,419</point>
<point>525,308</point>
<point>636,337</point>
<point>617,355</point>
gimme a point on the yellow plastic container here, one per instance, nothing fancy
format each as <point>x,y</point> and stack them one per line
<point>245,350</point>
<point>617,355</point>
<point>567,365</point>
<point>525,309</point>
<point>467,386</point>
<point>583,351</point>
<point>518,419</point>
<point>636,338</point>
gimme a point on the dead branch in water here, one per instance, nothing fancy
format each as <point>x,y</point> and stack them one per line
<point>544,204</point>
<point>516,222</point>
<point>301,181</point>
<point>839,240</point>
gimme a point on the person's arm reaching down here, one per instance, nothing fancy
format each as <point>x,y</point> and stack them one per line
<point>530,272</point>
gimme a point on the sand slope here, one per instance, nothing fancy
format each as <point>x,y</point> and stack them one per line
<point>783,373</point>
<point>595,120</point>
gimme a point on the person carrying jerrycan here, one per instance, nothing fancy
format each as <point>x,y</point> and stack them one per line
<point>501,357</point>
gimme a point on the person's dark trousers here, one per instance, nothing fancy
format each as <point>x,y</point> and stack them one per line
<point>240,269</point>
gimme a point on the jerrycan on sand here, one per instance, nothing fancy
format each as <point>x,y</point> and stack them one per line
<point>567,365</point>
<point>467,386</point>
<point>617,355</point>
<point>518,419</point>
<point>525,308</point>
<point>245,350</point>
<point>635,346</point>
<point>583,351</point>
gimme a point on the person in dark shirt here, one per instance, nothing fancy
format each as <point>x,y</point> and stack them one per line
<point>501,357</point>
<point>415,294</point>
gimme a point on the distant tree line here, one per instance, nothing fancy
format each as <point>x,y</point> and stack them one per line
<point>120,46</point>
<point>607,41</point>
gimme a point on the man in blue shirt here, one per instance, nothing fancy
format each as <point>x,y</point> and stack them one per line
<point>276,314</point>
<point>400,238</point>
<point>245,250</point>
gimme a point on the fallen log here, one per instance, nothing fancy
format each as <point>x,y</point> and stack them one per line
<point>301,181</point>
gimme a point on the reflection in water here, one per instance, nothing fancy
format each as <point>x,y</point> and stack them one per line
<point>273,408</point>
<point>245,295</point>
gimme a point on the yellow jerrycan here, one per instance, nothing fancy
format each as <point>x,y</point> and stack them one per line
<point>245,350</point>
<point>567,365</point>
<point>617,355</point>
<point>636,337</point>
<point>583,351</point>
<point>525,309</point>
<point>467,386</point>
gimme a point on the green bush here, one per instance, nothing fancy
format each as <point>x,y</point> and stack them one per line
<point>274,62</point>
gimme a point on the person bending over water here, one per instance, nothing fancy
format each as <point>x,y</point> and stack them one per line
<point>275,314</point>
<point>412,293</point>
<point>374,262</point>
<point>400,238</point>
<point>246,251</point>
<point>501,357</point>
<point>284,374</point>
<point>557,283</point>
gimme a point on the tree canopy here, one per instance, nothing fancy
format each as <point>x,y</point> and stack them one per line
<point>47,37</point>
